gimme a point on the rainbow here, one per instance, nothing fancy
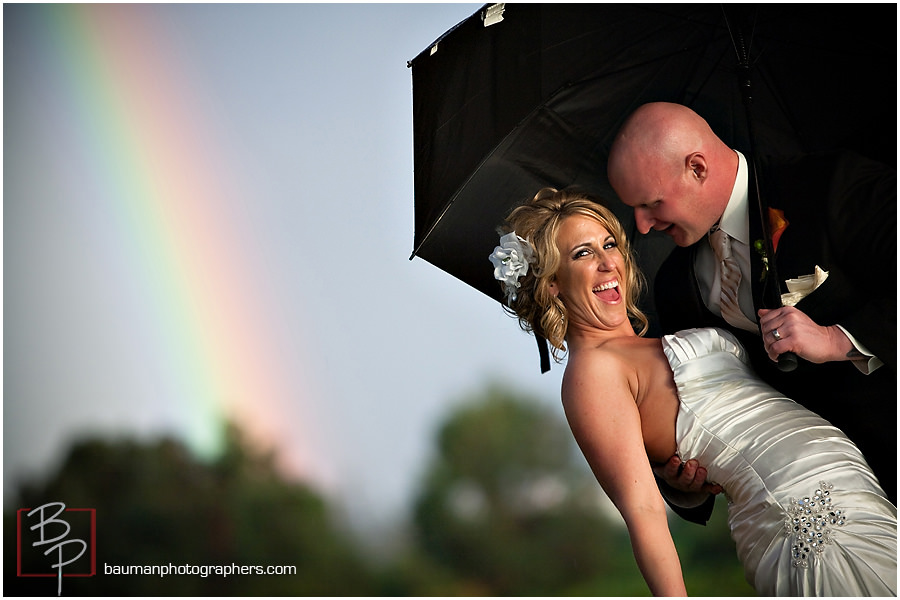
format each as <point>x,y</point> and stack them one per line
<point>173,210</point>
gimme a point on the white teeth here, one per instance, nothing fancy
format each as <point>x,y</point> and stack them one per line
<point>606,286</point>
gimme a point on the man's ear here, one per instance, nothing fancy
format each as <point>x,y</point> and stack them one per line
<point>696,162</point>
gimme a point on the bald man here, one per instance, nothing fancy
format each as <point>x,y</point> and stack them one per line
<point>837,213</point>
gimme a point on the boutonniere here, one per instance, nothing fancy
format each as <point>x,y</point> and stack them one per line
<point>777,224</point>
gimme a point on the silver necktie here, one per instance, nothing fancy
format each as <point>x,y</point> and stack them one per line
<point>731,281</point>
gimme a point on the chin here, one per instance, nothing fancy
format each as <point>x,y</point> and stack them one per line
<point>684,239</point>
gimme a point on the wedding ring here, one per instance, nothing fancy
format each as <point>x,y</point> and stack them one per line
<point>776,335</point>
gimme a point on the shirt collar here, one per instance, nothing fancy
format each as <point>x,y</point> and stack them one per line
<point>735,220</point>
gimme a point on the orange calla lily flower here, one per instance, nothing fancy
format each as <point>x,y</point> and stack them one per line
<point>777,224</point>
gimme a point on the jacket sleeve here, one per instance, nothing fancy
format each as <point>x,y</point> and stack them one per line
<point>685,505</point>
<point>863,231</point>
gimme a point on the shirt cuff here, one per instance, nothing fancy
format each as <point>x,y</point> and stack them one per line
<point>866,364</point>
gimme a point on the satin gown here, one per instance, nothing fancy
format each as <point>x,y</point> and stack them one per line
<point>806,513</point>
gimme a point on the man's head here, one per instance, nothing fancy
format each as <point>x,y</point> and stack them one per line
<point>668,165</point>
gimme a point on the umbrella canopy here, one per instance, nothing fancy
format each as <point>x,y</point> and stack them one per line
<point>523,96</point>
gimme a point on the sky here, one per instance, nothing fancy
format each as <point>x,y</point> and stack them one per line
<point>208,215</point>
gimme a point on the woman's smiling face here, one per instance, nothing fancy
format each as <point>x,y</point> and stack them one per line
<point>591,276</point>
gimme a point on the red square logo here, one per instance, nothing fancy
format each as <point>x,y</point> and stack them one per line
<point>53,541</point>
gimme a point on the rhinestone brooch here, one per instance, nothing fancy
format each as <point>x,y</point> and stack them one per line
<point>811,522</point>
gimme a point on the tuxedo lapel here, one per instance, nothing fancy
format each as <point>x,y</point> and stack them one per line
<point>757,266</point>
<point>677,293</point>
<point>767,278</point>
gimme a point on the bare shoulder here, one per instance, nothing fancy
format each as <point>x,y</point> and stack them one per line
<point>599,372</point>
<point>598,397</point>
<point>632,368</point>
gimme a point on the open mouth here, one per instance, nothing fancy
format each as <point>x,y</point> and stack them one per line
<point>608,292</point>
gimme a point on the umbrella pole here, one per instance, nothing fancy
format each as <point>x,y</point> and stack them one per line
<point>772,287</point>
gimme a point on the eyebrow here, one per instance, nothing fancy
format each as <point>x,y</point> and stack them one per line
<point>588,244</point>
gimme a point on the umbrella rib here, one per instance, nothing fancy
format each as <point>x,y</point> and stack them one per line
<point>471,175</point>
<point>460,189</point>
<point>440,217</point>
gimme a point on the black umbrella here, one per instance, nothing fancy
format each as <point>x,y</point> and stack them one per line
<point>522,96</point>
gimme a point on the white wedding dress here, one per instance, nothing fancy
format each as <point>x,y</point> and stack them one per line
<point>806,513</point>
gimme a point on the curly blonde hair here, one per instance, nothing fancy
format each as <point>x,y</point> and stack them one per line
<point>538,221</point>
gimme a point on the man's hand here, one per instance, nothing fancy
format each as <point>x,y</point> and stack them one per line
<point>787,329</point>
<point>688,477</point>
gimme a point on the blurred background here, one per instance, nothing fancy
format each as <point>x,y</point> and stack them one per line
<point>214,337</point>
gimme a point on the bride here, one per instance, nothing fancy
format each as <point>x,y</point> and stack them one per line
<point>806,513</point>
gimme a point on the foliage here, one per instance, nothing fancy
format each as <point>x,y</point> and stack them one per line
<point>507,506</point>
<point>708,555</point>
<point>158,505</point>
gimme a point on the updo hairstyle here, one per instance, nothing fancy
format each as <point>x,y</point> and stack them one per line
<point>538,221</point>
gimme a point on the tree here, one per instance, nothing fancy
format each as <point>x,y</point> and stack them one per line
<point>505,504</point>
<point>156,504</point>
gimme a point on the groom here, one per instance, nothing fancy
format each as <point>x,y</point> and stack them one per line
<point>833,218</point>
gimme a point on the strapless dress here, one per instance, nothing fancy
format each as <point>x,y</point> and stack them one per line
<point>807,514</point>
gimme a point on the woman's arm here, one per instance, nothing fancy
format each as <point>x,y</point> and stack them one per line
<point>604,419</point>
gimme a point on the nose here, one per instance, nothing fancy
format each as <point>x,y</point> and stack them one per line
<point>643,220</point>
<point>606,262</point>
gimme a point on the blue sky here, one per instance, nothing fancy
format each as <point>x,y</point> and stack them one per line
<point>305,112</point>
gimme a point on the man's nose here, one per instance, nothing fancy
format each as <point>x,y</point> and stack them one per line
<point>644,222</point>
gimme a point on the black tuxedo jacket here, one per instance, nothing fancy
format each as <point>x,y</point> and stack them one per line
<point>842,216</point>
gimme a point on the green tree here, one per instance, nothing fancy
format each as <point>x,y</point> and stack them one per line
<point>156,504</point>
<point>506,505</point>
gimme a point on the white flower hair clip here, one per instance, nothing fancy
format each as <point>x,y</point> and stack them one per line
<point>510,260</point>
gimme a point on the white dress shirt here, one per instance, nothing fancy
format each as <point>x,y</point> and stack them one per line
<point>735,222</point>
